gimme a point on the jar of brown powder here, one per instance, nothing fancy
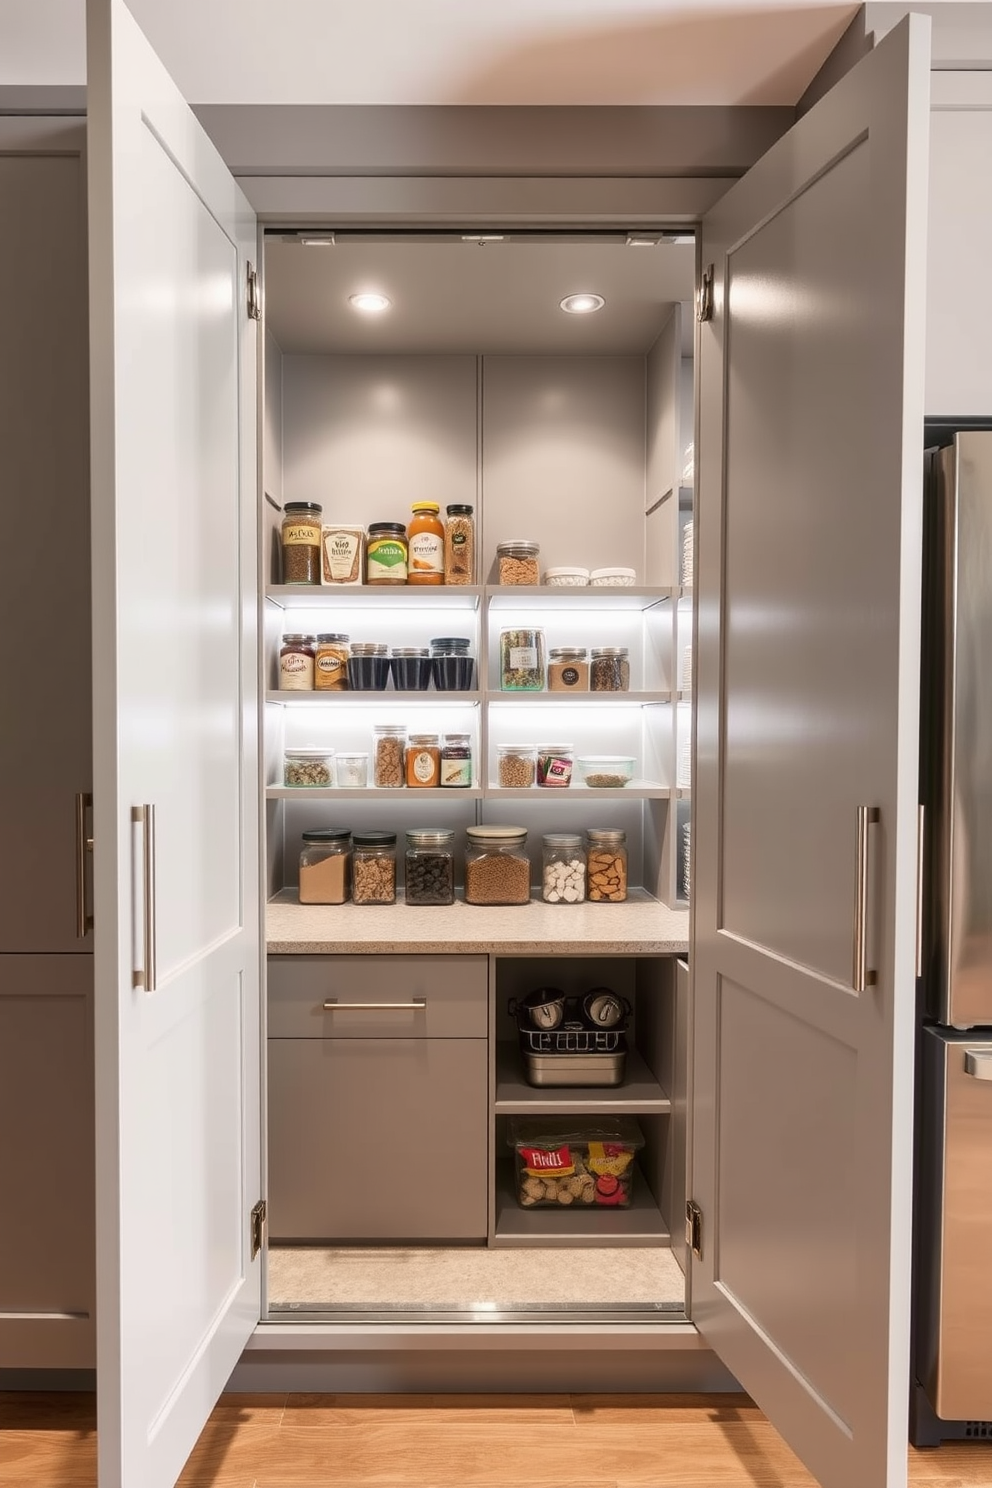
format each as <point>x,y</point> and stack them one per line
<point>325,866</point>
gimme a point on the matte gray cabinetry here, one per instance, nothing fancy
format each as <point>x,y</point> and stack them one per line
<point>47,1264</point>
<point>378,1113</point>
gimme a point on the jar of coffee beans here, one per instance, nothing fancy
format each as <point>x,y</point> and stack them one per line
<point>301,529</point>
<point>497,868</point>
<point>430,867</point>
<point>373,868</point>
<point>610,669</point>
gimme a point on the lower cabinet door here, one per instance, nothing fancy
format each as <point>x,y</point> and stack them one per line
<point>47,1231</point>
<point>377,1139</point>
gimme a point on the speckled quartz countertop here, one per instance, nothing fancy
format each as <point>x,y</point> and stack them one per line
<point>641,926</point>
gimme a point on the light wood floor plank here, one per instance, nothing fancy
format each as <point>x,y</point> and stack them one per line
<point>47,1459</point>
<point>498,1411</point>
<point>634,1411</point>
<point>29,1410</point>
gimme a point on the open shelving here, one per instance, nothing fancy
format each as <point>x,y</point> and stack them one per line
<point>641,1224</point>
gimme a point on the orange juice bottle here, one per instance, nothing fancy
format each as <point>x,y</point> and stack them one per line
<point>425,535</point>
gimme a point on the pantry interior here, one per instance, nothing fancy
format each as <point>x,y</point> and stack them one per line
<point>391,1193</point>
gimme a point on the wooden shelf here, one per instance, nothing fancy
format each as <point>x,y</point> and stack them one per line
<point>640,1091</point>
<point>641,1224</point>
<point>375,596</point>
<point>384,699</point>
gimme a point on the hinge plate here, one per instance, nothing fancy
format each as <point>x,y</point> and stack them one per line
<point>694,1229</point>
<point>254,294</point>
<point>257,1225</point>
<point>704,298</point>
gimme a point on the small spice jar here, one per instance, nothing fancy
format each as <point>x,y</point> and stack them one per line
<point>330,667</point>
<point>521,660</point>
<point>389,749</point>
<point>517,562</point>
<point>386,553</point>
<point>456,761</point>
<point>301,529</point>
<point>368,667</point>
<point>373,868</point>
<point>497,868</point>
<point>325,867</point>
<point>459,545</point>
<point>606,867</point>
<point>563,875</point>
<point>308,767</point>
<point>516,766</point>
<point>554,765</point>
<point>352,771</point>
<point>423,761</point>
<point>454,668</point>
<point>610,669</point>
<point>429,867</point>
<point>296,664</point>
<point>425,539</point>
<point>568,669</point>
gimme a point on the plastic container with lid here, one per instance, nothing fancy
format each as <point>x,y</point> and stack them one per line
<point>605,771</point>
<point>516,766</point>
<point>609,670</point>
<point>423,761</point>
<point>307,768</point>
<point>368,666</point>
<point>567,578</point>
<point>517,562</point>
<point>456,761</point>
<point>373,868</point>
<point>325,866</point>
<point>351,771</point>
<point>563,873</point>
<point>459,545</point>
<point>411,668</point>
<point>521,660</point>
<point>296,663</point>
<point>613,578</point>
<point>554,765</point>
<point>301,534</point>
<point>429,866</point>
<point>454,668</point>
<point>425,540</point>
<point>497,868</point>
<point>573,1161</point>
<point>386,553</point>
<point>568,669</point>
<point>330,668</point>
<point>389,751</point>
<point>606,869</point>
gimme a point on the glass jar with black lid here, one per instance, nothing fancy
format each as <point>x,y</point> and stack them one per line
<point>373,868</point>
<point>325,866</point>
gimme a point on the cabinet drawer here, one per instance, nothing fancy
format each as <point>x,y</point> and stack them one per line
<point>377,1139</point>
<point>453,989</point>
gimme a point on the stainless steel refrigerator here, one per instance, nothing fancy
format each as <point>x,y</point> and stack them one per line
<point>953,1320</point>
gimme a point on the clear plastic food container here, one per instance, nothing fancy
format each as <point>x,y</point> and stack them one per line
<point>516,766</point>
<point>567,1161</point>
<point>517,562</point>
<point>305,768</point>
<point>352,771</point>
<point>613,578</point>
<point>567,578</point>
<point>605,771</point>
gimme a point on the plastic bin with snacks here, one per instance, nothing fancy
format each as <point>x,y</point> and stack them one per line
<point>569,1161</point>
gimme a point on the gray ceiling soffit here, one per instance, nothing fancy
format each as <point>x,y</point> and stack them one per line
<point>360,140</point>
<point>15,99</point>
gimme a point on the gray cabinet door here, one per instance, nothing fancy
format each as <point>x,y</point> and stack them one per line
<point>377,1139</point>
<point>45,749</point>
<point>47,1258</point>
<point>808,612</point>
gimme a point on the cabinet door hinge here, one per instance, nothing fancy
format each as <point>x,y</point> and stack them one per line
<point>254,294</point>
<point>704,296</point>
<point>257,1227</point>
<point>694,1229</point>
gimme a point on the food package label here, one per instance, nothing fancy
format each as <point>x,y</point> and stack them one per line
<point>554,1161</point>
<point>609,1157</point>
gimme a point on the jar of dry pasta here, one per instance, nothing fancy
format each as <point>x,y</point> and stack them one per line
<point>517,562</point>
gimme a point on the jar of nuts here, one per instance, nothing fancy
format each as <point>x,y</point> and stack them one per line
<point>516,766</point>
<point>610,669</point>
<point>607,864</point>
<point>308,767</point>
<point>389,749</point>
<point>373,868</point>
<point>517,562</point>
<point>497,868</point>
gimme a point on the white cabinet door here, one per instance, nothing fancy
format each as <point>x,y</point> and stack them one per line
<point>175,725</point>
<point>808,554</point>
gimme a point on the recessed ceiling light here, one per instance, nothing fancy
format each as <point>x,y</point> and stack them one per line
<point>369,304</point>
<point>581,304</point>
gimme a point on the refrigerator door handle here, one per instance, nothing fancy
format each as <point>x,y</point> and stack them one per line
<point>863,975</point>
<point>978,1063</point>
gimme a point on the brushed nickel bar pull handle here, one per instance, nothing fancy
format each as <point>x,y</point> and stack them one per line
<point>145,815</point>
<point>372,1007</point>
<point>921,823</point>
<point>863,976</point>
<point>978,1063</point>
<point>84,844</point>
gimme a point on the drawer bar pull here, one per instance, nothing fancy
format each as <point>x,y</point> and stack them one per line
<point>978,1063</point>
<point>372,1007</point>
